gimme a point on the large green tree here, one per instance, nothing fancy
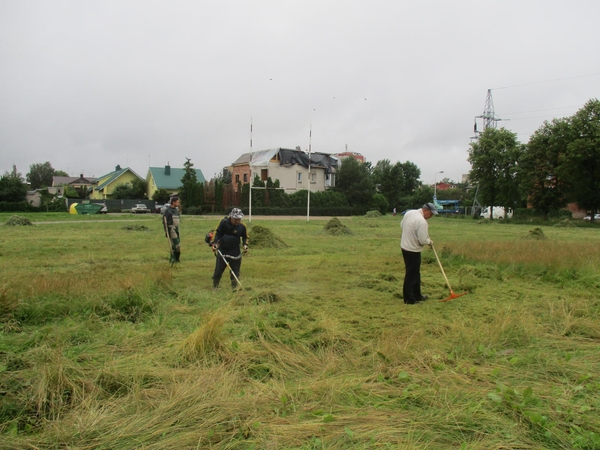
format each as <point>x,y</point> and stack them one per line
<point>354,181</point>
<point>191,192</point>
<point>40,175</point>
<point>582,161</point>
<point>396,181</point>
<point>494,159</point>
<point>12,188</point>
<point>541,167</point>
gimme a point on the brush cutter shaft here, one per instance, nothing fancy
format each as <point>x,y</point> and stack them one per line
<point>230,269</point>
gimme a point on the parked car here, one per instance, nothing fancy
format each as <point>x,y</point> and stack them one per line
<point>140,209</point>
<point>160,209</point>
<point>498,213</point>
<point>596,217</point>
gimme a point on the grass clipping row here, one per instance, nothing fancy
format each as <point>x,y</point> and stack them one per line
<point>262,237</point>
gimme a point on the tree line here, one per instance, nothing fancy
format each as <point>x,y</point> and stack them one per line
<point>559,165</point>
<point>358,187</point>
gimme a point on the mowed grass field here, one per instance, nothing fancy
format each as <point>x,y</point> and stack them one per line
<point>104,346</point>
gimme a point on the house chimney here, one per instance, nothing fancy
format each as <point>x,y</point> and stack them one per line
<point>167,170</point>
<point>81,175</point>
<point>118,167</point>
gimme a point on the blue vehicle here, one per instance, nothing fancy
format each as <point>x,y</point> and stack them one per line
<point>449,207</point>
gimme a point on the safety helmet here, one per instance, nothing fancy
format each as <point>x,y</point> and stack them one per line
<point>236,213</point>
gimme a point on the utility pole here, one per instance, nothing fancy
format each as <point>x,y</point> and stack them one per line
<point>489,120</point>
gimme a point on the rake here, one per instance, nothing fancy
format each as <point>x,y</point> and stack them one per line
<point>452,294</point>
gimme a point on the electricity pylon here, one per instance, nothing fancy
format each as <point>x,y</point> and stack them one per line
<point>488,117</point>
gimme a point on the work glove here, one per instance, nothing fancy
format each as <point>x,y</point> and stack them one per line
<point>246,248</point>
<point>430,243</point>
<point>215,247</point>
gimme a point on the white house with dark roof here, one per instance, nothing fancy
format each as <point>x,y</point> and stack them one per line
<point>290,167</point>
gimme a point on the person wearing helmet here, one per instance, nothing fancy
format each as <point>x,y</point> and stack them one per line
<point>415,236</point>
<point>228,236</point>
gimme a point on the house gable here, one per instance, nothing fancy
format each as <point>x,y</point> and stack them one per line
<point>106,184</point>
<point>168,178</point>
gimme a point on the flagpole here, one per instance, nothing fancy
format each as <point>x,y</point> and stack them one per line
<point>250,181</point>
<point>308,198</point>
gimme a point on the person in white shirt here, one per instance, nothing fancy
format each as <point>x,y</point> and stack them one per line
<point>415,236</point>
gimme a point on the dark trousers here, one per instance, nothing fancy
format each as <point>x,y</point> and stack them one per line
<point>412,277</point>
<point>220,267</point>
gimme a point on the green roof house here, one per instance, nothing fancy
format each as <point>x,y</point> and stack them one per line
<point>167,178</point>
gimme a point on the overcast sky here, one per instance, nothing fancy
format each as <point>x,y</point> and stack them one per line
<point>91,84</point>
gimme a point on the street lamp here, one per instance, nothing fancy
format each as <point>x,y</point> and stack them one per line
<point>435,184</point>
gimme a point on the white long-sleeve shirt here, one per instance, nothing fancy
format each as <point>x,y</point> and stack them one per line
<point>415,231</point>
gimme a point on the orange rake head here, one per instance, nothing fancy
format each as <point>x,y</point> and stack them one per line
<point>453,296</point>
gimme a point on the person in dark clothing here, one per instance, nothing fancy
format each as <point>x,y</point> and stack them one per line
<point>171,220</point>
<point>228,235</point>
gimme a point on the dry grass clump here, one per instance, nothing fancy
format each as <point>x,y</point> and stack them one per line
<point>336,228</point>
<point>206,343</point>
<point>60,384</point>
<point>263,237</point>
<point>18,221</point>
<point>374,213</point>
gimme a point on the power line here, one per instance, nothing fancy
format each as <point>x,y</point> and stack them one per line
<point>539,110</point>
<point>548,81</point>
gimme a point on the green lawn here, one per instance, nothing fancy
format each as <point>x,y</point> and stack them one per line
<point>104,346</point>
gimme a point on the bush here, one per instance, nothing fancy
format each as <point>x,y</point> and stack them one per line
<point>314,211</point>
<point>380,203</point>
<point>16,207</point>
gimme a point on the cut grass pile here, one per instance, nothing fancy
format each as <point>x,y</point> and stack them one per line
<point>335,227</point>
<point>263,237</point>
<point>105,346</point>
<point>18,221</point>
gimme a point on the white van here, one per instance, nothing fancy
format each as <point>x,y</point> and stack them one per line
<point>498,213</point>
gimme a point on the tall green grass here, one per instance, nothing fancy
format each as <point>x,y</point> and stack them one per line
<point>103,345</point>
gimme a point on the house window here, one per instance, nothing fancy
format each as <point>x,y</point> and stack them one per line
<point>330,181</point>
<point>237,177</point>
<point>264,174</point>
<point>299,177</point>
<point>313,177</point>
<point>245,178</point>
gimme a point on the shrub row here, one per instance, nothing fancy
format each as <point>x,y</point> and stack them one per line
<point>16,207</point>
<point>26,207</point>
<point>301,211</point>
